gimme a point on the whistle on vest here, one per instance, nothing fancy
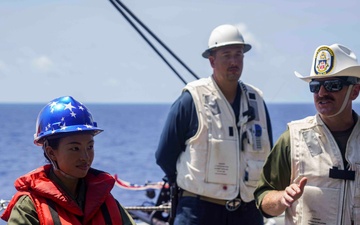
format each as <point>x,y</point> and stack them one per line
<point>341,174</point>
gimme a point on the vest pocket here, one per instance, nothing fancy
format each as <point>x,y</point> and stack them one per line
<point>222,163</point>
<point>357,186</point>
<point>319,206</point>
<point>252,172</point>
<point>356,209</point>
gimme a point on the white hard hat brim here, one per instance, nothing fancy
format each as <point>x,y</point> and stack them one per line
<point>353,71</point>
<point>206,53</point>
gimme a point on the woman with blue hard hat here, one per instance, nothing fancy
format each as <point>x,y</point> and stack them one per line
<point>67,191</point>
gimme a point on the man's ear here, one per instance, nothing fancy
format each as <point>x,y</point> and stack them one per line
<point>355,92</point>
<point>211,60</point>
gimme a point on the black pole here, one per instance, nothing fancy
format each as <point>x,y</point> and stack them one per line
<point>154,36</point>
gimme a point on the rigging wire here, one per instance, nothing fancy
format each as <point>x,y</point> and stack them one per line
<point>154,36</point>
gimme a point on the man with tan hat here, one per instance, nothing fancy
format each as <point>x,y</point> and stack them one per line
<point>216,139</point>
<point>313,171</point>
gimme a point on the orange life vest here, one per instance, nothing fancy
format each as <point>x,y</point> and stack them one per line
<point>54,207</point>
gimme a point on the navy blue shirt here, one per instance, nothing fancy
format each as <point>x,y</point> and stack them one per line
<point>182,124</point>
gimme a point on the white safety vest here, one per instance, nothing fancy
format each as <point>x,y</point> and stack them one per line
<point>220,161</point>
<point>328,198</point>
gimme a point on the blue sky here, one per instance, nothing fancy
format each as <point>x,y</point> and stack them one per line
<point>85,48</point>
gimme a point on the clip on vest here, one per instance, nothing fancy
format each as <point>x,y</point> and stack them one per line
<point>341,174</point>
<point>251,113</point>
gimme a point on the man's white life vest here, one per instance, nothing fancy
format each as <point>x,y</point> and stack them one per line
<point>328,198</point>
<point>220,161</point>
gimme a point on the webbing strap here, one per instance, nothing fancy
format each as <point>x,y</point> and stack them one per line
<point>106,214</point>
<point>54,214</point>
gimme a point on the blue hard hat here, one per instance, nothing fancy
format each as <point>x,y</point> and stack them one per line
<point>63,115</point>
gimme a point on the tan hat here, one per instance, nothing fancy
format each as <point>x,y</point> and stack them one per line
<point>332,61</point>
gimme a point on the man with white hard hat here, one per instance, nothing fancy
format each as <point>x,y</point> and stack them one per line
<point>216,139</point>
<point>313,171</point>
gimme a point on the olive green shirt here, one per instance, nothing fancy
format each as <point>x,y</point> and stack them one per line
<point>276,172</point>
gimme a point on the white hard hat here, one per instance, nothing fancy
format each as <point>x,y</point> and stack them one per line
<point>332,61</point>
<point>225,35</point>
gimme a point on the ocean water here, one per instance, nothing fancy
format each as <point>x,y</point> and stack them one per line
<point>125,148</point>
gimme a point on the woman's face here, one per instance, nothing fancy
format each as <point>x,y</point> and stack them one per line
<point>74,154</point>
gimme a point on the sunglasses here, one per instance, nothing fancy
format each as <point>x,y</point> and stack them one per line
<point>329,85</point>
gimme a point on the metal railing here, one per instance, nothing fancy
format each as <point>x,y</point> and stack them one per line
<point>149,208</point>
<point>3,204</point>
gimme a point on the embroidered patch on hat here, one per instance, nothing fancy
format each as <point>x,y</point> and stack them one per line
<point>324,61</point>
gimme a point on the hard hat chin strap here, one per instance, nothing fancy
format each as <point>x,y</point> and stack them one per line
<point>56,168</point>
<point>54,163</point>
<point>346,100</point>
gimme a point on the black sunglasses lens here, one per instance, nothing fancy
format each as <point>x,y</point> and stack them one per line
<point>329,85</point>
<point>333,85</point>
<point>314,86</point>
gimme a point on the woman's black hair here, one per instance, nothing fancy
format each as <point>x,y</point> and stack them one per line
<point>54,140</point>
<point>53,143</point>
